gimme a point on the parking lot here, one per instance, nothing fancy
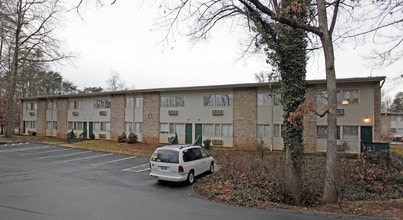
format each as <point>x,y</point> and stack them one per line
<point>66,155</point>
<point>41,181</point>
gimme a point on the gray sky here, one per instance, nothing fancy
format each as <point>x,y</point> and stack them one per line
<point>122,38</point>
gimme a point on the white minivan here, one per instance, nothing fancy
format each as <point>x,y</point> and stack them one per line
<point>179,163</point>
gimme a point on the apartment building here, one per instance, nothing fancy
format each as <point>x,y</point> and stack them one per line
<point>229,115</point>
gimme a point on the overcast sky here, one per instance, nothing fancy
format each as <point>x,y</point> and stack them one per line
<point>123,38</point>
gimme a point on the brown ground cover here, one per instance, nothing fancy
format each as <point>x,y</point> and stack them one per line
<point>246,179</point>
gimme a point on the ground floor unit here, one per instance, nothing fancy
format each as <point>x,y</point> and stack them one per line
<point>235,115</point>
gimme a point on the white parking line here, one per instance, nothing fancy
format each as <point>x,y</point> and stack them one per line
<point>138,169</point>
<point>85,158</point>
<point>44,152</point>
<point>63,155</point>
<point>26,149</point>
<point>113,161</point>
<point>13,144</point>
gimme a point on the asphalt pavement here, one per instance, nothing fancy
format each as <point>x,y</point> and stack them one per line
<point>41,181</point>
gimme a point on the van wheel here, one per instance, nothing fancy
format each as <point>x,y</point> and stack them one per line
<point>191,177</point>
<point>211,168</point>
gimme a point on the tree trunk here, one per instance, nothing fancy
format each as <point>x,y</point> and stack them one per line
<point>13,75</point>
<point>329,191</point>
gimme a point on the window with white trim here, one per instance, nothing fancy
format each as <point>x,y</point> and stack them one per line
<point>350,133</point>
<point>139,102</point>
<point>218,100</point>
<point>172,101</point>
<point>263,99</point>
<point>263,131</point>
<point>129,102</point>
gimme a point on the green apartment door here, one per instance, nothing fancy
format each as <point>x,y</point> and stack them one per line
<point>90,127</point>
<point>85,129</point>
<point>366,134</point>
<point>198,134</point>
<point>188,133</point>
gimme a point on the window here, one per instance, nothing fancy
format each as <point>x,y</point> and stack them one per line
<point>51,125</point>
<point>321,98</point>
<point>350,132</point>
<point>401,118</point>
<point>139,102</point>
<point>73,125</point>
<point>263,131</point>
<point>277,130</point>
<point>102,103</point>
<point>48,125</point>
<point>77,104</point>
<point>169,128</point>
<point>30,124</point>
<point>226,100</point>
<point>164,128</point>
<point>49,105</point>
<point>129,127</point>
<point>218,100</point>
<point>350,97</point>
<point>172,101</point>
<point>102,126</point>
<point>208,129</point>
<point>226,130</point>
<point>180,129</point>
<point>321,132</point>
<point>208,100</point>
<point>393,118</point>
<point>192,154</point>
<point>166,156</point>
<point>217,130</point>
<point>129,102</point>
<point>31,106</point>
<point>263,99</point>
<point>179,101</point>
<point>164,101</point>
<point>139,127</point>
<point>79,125</point>
<point>276,99</point>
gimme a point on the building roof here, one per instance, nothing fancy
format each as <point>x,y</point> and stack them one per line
<point>209,87</point>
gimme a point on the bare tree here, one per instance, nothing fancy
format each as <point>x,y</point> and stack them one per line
<point>115,82</point>
<point>32,23</point>
<point>378,23</point>
<point>206,14</point>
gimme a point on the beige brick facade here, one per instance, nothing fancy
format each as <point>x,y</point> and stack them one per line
<point>117,116</point>
<point>377,113</point>
<point>62,108</point>
<point>41,117</point>
<point>245,118</point>
<point>207,115</point>
<point>151,117</point>
<point>386,126</point>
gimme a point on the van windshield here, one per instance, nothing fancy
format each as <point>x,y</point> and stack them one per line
<point>166,156</point>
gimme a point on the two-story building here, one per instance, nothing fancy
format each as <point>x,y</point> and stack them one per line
<point>229,115</point>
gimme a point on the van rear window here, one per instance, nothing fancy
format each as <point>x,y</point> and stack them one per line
<point>166,156</point>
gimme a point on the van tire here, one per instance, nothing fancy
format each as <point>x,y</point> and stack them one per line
<point>191,177</point>
<point>211,168</point>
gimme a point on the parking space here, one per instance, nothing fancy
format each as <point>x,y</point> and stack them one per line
<point>82,157</point>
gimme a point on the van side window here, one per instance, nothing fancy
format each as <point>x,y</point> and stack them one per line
<point>192,154</point>
<point>204,153</point>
